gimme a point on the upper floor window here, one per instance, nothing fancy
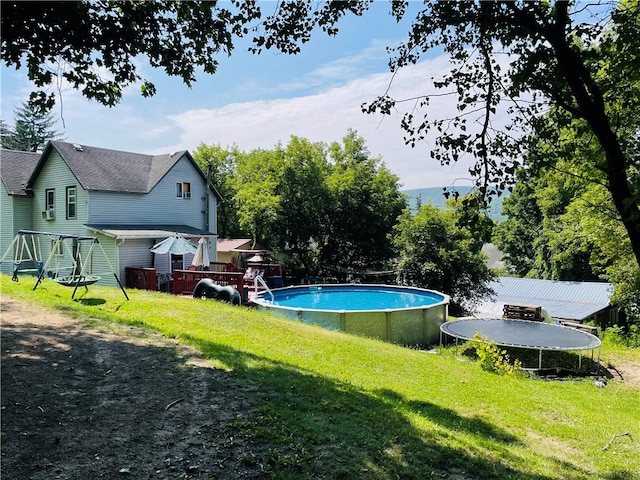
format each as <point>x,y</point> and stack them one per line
<point>71,202</point>
<point>183,190</point>
<point>49,198</point>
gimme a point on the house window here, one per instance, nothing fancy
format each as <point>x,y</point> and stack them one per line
<point>49,199</point>
<point>183,190</point>
<point>71,202</point>
<point>57,248</point>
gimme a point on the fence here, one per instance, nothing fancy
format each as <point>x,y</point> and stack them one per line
<point>181,282</point>
<point>140,277</point>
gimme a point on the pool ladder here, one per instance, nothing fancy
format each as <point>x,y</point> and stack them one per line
<point>260,280</point>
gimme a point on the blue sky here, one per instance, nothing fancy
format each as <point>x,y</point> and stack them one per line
<point>258,101</point>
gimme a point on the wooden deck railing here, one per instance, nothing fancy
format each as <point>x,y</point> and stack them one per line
<point>141,278</point>
<point>181,282</point>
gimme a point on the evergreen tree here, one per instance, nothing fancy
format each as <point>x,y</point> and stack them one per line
<point>32,130</point>
<point>7,136</point>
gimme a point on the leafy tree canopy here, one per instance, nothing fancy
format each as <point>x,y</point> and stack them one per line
<point>436,252</point>
<point>220,165</point>
<point>93,45</point>
<point>326,209</point>
<point>562,223</point>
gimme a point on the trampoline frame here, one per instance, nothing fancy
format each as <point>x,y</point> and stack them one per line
<point>445,330</point>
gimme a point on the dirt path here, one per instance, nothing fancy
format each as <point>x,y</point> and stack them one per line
<point>80,403</point>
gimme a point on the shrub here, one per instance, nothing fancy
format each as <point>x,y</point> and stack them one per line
<point>629,337</point>
<point>494,359</point>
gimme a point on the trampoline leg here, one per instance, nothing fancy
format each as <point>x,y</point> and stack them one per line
<point>540,359</point>
<point>580,360</point>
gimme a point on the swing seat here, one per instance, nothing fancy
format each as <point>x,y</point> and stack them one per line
<point>27,266</point>
<point>79,280</point>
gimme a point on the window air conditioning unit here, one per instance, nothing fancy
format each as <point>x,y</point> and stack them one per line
<point>49,214</point>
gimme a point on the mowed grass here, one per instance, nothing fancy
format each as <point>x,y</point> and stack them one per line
<point>330,405</point>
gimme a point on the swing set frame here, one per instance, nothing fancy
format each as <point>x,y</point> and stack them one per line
<point>77,278</point>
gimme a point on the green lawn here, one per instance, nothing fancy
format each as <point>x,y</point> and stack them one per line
<point>330,405</point>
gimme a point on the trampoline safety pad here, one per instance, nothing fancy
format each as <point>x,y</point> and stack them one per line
<point>523,334</point>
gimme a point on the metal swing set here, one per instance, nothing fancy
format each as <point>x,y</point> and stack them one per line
<point>27,253</point>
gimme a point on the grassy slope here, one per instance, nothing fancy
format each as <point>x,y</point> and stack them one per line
<point>329,405</point>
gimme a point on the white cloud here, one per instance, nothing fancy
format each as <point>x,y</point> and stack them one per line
<point>165,123</point>
<point>326,117</point>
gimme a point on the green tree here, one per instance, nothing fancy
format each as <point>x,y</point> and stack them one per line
<point>32,129</point>
<point>437,253</point>
<point>538,240</point>
<point>256,182</point>
<point>365,202</point>
<point>7,136</point>
<point>580,67</point>
<point>83,37</point>
<point>562,223</point>
<point>517,236</point>
<point>303,208</point>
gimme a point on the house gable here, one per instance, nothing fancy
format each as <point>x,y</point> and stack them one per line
<point>108,170</point>
<point>166,203</point>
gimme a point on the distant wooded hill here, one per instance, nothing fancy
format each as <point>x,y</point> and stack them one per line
<point>434,196</point>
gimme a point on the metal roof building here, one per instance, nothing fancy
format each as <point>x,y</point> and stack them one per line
<point>575,301</point>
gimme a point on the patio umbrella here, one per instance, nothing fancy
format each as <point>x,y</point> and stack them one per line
<point>201,258</point>
<point>176,245</point>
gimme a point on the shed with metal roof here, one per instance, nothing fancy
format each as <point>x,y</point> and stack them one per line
<point>573,301</point>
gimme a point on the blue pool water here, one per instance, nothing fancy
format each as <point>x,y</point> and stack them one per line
<point>354,298</point>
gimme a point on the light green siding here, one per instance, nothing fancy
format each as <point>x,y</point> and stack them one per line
<point>16,214</point>
<point>57,176</point>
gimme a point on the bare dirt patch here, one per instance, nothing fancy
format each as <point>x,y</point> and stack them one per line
<point>628,371</point>
<point>81,403</point>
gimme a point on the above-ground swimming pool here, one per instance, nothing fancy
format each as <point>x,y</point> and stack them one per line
<point>404,315</point>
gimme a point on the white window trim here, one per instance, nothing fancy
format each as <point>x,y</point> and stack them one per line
<point>182,192</point>
<point>47,206</point>
<point>75,202</point>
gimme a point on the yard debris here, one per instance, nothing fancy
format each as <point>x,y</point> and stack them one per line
<point>625,434</point>
<point>175,402</point>
<point>600,382</point>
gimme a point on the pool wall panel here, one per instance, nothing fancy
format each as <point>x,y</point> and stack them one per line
<point>366,324</point>
<point>328,320</point>
<point>405,327</point>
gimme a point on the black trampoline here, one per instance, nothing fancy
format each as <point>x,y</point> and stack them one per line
<point>524,334</point>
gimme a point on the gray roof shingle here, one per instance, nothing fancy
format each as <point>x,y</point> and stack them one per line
<point>16,168</point>
<point>114,170</point>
